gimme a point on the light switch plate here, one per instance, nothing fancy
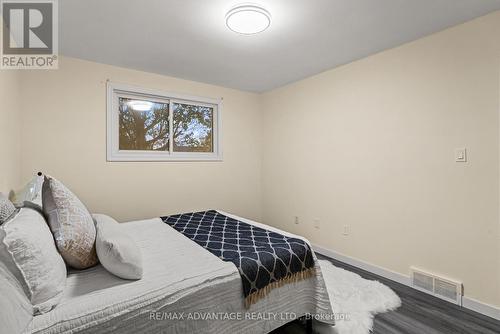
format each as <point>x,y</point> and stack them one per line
<point>346,230</point>
<point>461,154</point>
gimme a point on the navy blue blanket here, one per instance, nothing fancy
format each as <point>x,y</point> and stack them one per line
<point>264,259</point>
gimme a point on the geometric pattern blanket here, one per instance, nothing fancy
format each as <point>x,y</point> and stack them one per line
<point>265,259</point>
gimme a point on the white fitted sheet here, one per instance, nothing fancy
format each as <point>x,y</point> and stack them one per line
<point>179,277</point>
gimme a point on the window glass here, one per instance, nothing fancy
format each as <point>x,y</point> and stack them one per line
<point>143,125</point>
<point>192,128</point>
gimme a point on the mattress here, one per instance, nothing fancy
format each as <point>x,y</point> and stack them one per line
<point>184,289</point>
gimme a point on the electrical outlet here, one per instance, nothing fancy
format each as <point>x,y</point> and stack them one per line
<point>346,230</point>
<point>461,154</point>
<point>296,220</point>
<point>317,224</point>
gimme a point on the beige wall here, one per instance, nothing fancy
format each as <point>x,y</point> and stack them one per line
<point>10,126</point>
<point>64,130</point>
<point>371,145</point>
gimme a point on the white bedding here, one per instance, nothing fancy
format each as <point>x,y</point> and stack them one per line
<point>179,277</point>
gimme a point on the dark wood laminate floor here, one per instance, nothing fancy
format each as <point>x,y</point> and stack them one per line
<point>419,314</point>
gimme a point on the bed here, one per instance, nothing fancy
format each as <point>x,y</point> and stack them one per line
<point>184,289</point>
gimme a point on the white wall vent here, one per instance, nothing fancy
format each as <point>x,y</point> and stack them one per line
<point>435,285</point>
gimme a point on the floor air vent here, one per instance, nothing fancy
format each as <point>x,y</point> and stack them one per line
<point>440,287</point>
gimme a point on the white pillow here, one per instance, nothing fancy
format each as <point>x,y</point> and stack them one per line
<point>16,311</point>
<point>117,252</point>
<point>27,248</point>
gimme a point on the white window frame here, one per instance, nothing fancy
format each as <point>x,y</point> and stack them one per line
<point>116,90</point>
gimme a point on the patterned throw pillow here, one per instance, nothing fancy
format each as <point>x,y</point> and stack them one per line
<point>71,224</point>
<point>6,208</point>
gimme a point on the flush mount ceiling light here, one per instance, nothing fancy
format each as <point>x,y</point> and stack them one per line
<point>139,105</point>
<point>248,19</point>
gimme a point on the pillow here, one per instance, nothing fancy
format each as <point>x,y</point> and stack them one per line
<point>71,224</point>
<point>27,249</point>
<point>117,252</point>
<point>16,311</point>
<point>6,208</point>
<point>31,195</point>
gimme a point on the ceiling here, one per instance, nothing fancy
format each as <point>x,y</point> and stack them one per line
<point>188,38</point>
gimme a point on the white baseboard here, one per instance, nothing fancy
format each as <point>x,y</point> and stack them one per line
<point>397,277</point>
<point>471,304</point>
<point>480,307</point>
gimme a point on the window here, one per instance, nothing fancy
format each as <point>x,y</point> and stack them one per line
<point>145,125</point>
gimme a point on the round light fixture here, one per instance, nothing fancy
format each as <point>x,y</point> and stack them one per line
<point>139,105</point>
<point>248,19</point>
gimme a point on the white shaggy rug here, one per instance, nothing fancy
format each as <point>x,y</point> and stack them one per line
<point>356,298</point>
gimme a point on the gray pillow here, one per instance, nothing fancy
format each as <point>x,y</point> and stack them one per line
<point>6,208</point>
<point>28,251</point>
<point>16,311</point>
<point>71,224</point>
